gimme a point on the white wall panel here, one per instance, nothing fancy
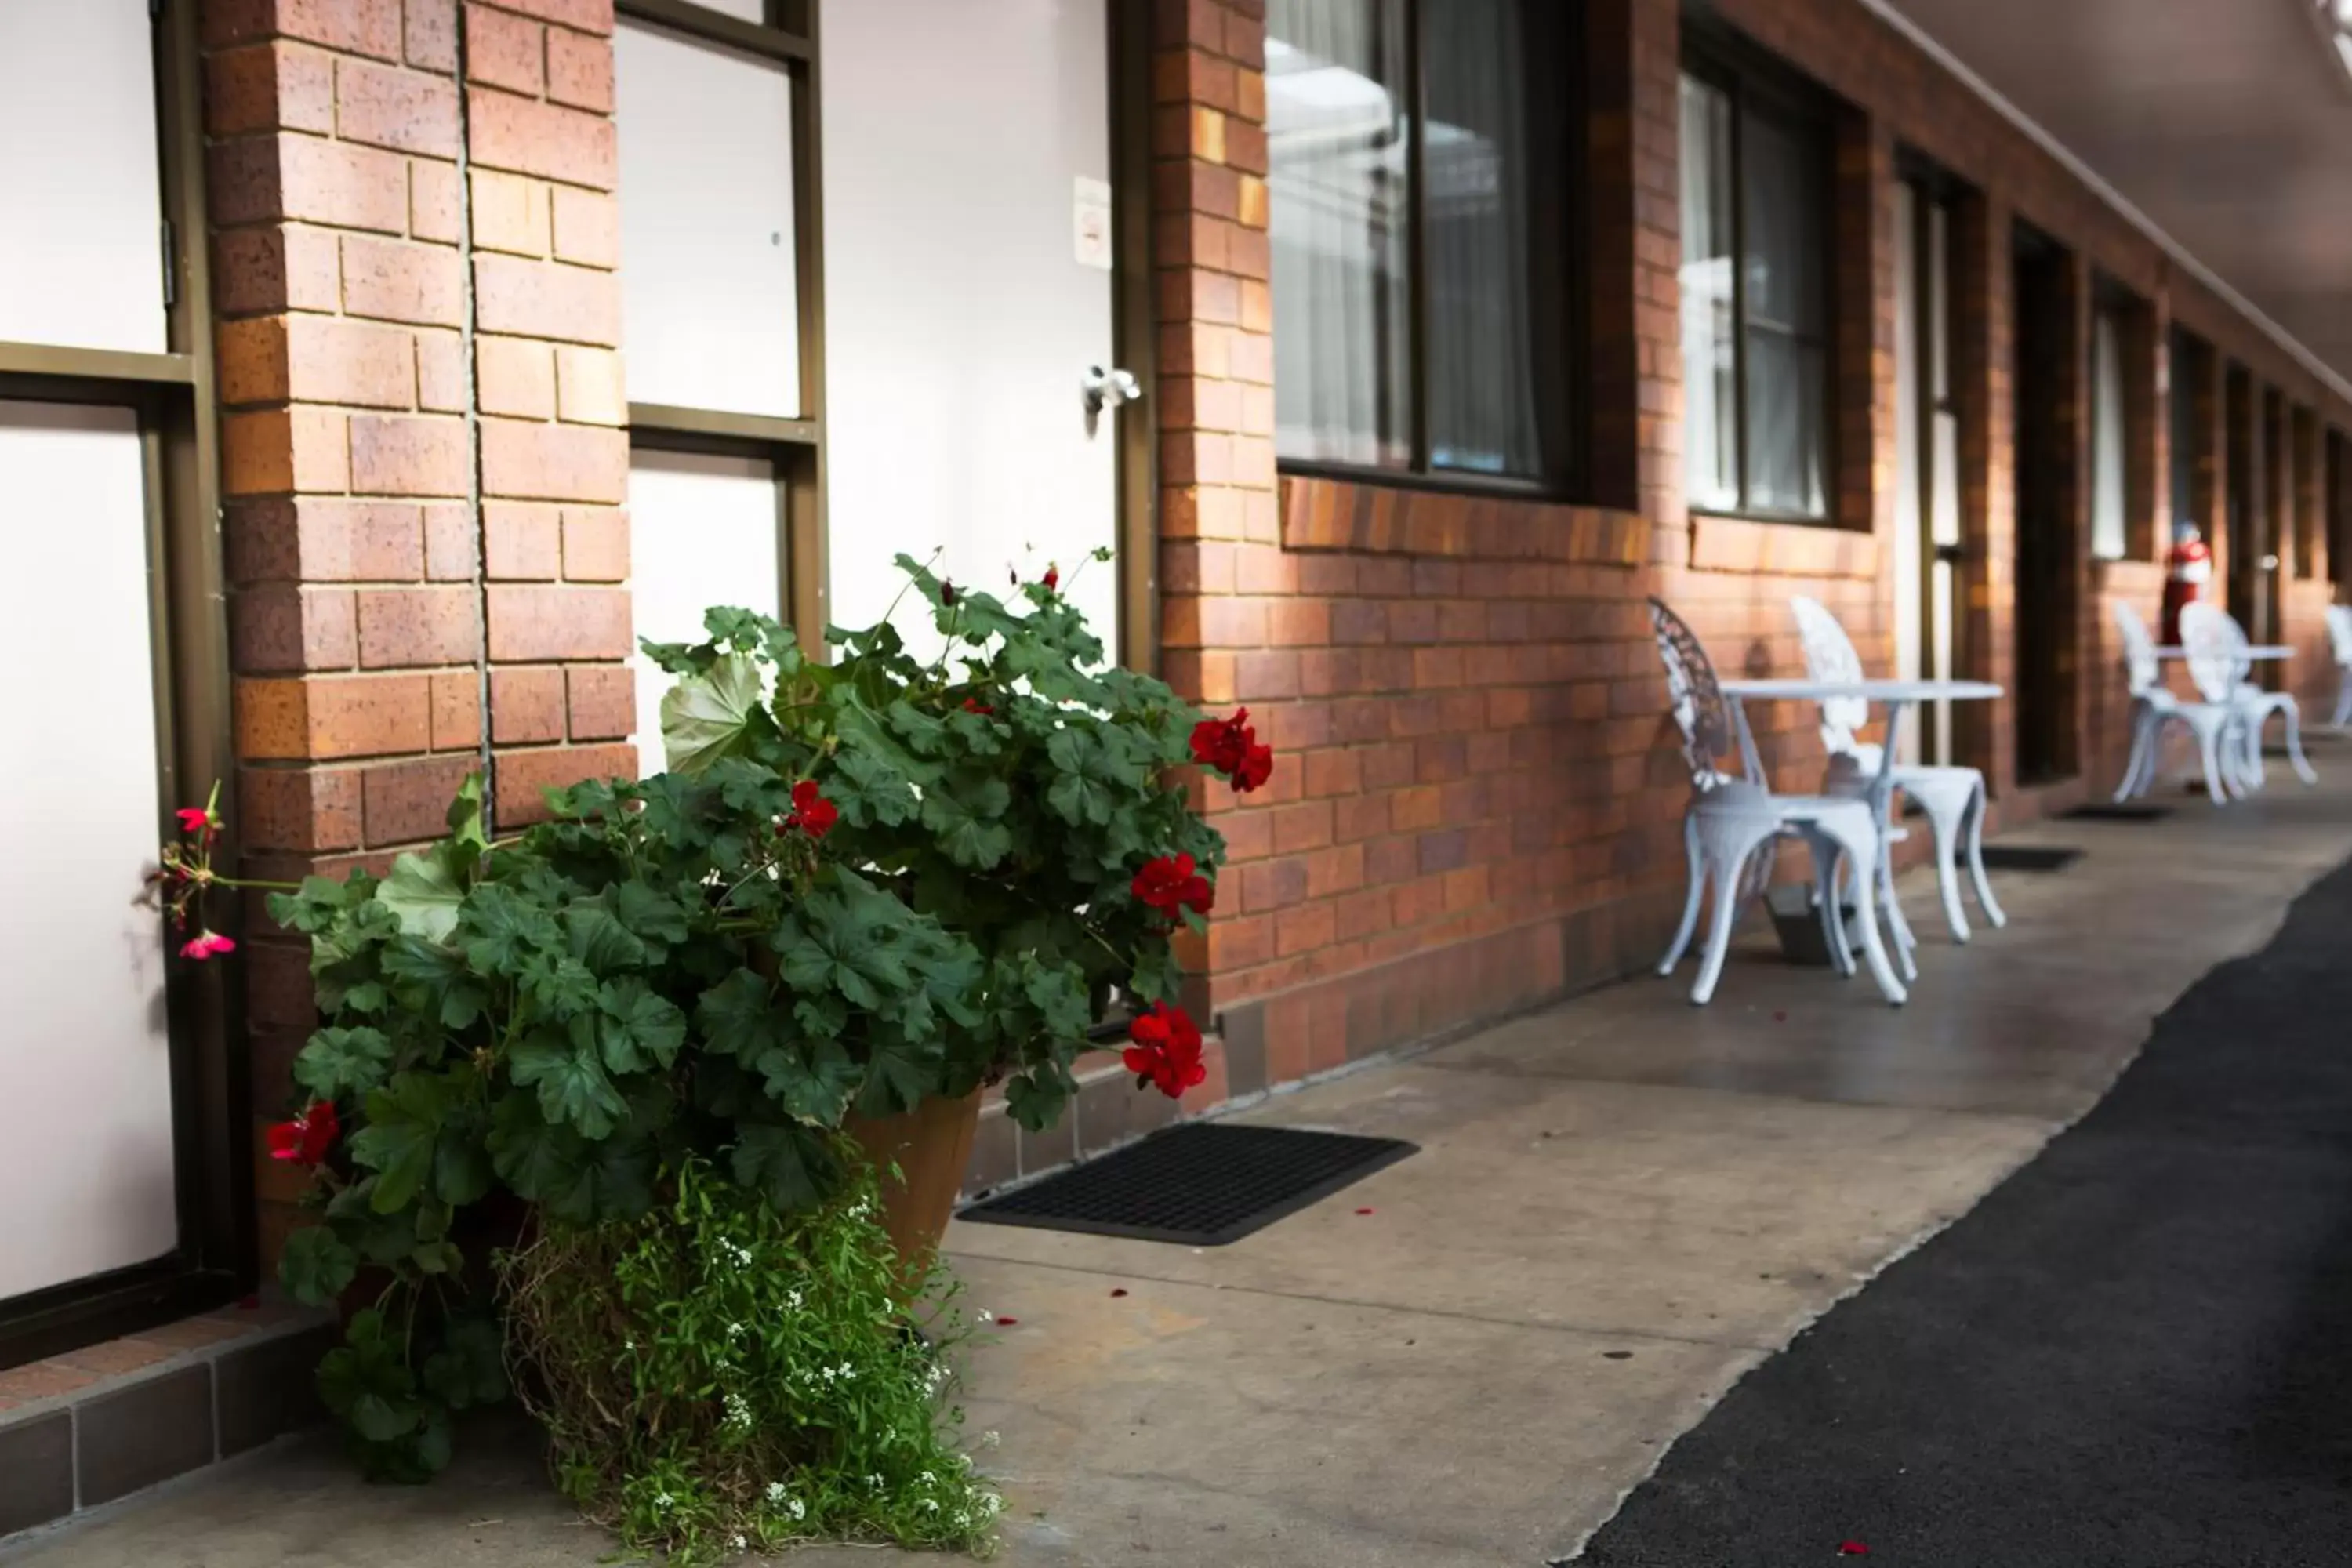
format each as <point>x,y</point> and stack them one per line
<point>709,290</point>
<point>85,1070</point>
<point>81,249</point>
<point>702,531</point>
<point>959,317</point>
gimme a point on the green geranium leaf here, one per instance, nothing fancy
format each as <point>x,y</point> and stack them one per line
<point>708,716</point>
<point>422,895</point>
<point>964,814</point>
<point>790,1165</point>
<point>316,1267</point>
<point>422,1128</point>
<point>572,1087</point>
<point>650,916</point>
<point>470,1368</point>
<point>739,1018</point>
<point>575,1179</point>
<point>813,1081</point>
<point>637,1029</point>
<point>898,1075</point>
<point>599,938</point>
<point>447,986</point>
<point>343,1064</point>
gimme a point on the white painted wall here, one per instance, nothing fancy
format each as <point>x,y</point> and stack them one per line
<point>702,531</point>
<point>82,247</point>
<point>85,1180</point>
<point>709,288</point>
<point>958,318</point>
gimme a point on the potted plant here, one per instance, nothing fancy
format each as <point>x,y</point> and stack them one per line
<point>695,1026</point>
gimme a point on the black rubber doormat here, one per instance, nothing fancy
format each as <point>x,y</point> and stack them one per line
<point>2137,1352</point>
<point>2120,811</point>
<point>1204,1183</point>
<point>2030,856</point>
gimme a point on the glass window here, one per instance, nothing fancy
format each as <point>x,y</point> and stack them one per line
<point>1408,330</point>
<point>1755,303</point>
<point>709,290</point>
<point>2109,531</point>
<point>2188,374</point>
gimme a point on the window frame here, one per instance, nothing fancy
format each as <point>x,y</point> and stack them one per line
<point>1558,294</point>
<point>1755,82</point>
<point>170,395</point>
<point>795,445</point>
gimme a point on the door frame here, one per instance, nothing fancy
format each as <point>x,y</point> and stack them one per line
<point>171,396</point>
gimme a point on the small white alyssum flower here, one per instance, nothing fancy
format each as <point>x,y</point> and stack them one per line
<point>930,1504</point>
<point>738,1412</point>
<point>663,1499</point>
<point>797,1508</point>
<point>989,1439</point>
<point>928,1479</point>
<point>986,1316</point>
<point>874,1481</point>
<point>775,1491</point>
<point>738,1544</point>
<point>792,1300</point>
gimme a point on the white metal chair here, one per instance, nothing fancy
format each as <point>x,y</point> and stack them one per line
<point>2211,640</point>
<point>1952,797</point>
<point>2256,707</point>
<point>1734,819</point>
<point>2154,708</point>
<point>2339,640</point>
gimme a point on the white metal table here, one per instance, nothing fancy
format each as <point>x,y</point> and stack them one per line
<point>1895,696</point>
<point>2260,652</point>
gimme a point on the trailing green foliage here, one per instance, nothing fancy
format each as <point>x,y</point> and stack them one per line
<point>861,885</point>
<point>715,1377</point>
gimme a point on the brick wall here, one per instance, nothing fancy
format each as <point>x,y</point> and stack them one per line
<point>421,402</point>
<point>1478,804</point>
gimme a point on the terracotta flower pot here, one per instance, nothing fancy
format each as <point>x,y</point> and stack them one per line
<point>930,1145</point>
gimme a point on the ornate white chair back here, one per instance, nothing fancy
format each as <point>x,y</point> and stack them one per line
<point>2339,633</point>
<point>2140,664</point>
<point>2211,640</point>
<point>1829,656</point>
<point>1712,732</point>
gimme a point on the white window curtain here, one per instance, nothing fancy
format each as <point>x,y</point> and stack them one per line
<point>1337,133</point>
<point>2108,527</point>
<point>1710,400</point>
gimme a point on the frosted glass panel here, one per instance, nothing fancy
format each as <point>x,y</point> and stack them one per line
<point>709,296</point>
<point>85,1068</point>
<point>81,251</point>
<point>703,530</point>
<point>744,10</point>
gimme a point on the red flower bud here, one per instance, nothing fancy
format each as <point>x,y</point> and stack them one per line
<point>947,592</point>
<point>1053,579</point>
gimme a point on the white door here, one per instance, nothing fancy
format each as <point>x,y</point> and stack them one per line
<point>1928,487</point>
<point>967,290</point>
<point>86,1167</point>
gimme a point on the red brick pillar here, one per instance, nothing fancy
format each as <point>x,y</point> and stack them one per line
<point>1226,581</point>
<point>555,458</point>
<point>364,450</point>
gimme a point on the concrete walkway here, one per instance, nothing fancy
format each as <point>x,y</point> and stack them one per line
<point>1619,1207</point>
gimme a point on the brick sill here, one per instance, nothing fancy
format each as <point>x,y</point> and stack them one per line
<point>1721,542</point>
<point>1320,513</point>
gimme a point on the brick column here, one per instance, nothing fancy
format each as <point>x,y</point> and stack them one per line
<point>367,458</point>
<point>554,458</point>
<point>355,616</point>
<point>1229,633</point>
<point>1984,733</point>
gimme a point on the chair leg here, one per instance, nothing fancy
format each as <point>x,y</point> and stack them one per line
<point>1864,856</point>
<point>1946,823</point>
<point>1681,943</point>
<point>1898,924</point>
<point>2128,786</point>
<point>1727,859</point>
<point>2344,699</point>
<point>1976,877</point>
<point>2301,763</point>
<point>1831,903</point>
<point>2208,746</point>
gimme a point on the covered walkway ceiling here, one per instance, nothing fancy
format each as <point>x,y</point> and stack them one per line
<point>2227,122</point>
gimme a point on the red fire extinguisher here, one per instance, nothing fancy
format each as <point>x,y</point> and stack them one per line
<point>2186,570</point>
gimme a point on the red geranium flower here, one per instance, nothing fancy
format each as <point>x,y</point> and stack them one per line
<point>974,705</point>
<point>194,819</point>
<point>306,1138</point>
<point>1165,1052</point>
<point>1257,767</point>
<point>1053,578</point>
<point>1170,884</point>
<point>204,944</point>
<point>1230,746</point>
<point>811,813</point>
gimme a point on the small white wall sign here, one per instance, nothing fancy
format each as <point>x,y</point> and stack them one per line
<point>1090,222</point>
